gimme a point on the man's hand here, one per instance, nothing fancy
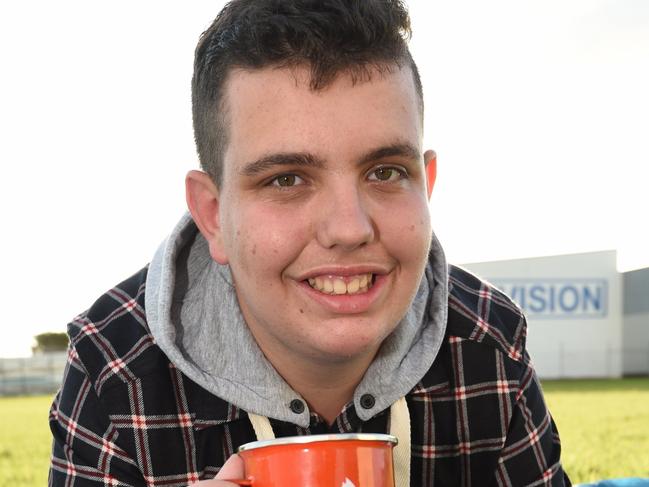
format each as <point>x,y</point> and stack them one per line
<point>232,469</point>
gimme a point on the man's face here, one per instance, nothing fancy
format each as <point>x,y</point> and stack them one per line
<point>323,212</point>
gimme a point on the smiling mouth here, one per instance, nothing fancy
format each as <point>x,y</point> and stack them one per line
<point>339,285</point>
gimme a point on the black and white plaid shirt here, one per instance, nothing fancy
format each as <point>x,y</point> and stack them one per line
<point>125,415</point>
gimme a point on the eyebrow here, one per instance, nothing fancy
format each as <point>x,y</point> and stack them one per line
<point>394,150</point>
<point>306,159</point>
<point>270,161</point>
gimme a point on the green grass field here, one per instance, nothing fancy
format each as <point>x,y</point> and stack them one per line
<point>604,426</point>
<point>24,441</point>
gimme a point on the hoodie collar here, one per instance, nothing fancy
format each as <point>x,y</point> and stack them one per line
<point>193,313</point>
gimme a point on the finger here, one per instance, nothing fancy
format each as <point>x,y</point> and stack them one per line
<point>232,469</point>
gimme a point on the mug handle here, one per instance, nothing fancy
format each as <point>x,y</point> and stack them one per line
<point>244,482</point>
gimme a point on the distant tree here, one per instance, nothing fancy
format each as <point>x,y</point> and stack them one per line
<point>50,342</point>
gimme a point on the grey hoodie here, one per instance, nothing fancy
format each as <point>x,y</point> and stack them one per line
<point>194,316</point>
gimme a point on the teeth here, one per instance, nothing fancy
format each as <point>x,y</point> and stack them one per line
<point>328,286</point>
<point>353,286</point>
<point>340,287</point>
<point>364,279</point>
<point>336,285</point>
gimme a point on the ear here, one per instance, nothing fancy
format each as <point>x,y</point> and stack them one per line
<point>202,197</point>
<point>430,161</point>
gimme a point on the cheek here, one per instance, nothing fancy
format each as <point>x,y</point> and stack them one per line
<point>408,232</point>
<point>266,241</point>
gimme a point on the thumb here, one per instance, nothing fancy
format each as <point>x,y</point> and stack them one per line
<point>232,469</point>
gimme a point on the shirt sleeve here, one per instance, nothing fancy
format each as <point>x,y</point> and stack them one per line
<point>532,450</point>
<point>85,450</point>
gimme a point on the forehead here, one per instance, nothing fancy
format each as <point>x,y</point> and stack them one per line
<point>276,110</point>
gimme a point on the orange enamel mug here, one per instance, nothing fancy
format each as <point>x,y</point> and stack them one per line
<point>340,460</point>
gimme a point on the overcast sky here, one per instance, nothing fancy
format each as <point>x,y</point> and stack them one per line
<point>538,111</point>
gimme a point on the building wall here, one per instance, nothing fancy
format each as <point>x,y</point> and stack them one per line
<point>573,308</point>
<point>635,322</point>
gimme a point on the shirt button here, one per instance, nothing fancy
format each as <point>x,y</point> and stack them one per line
<point>367,401</point>
<point>297,406</point>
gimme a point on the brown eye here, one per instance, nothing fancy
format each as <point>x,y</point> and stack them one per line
<point>387,174</point>
<point>384,173</point>
<point>285,180</point>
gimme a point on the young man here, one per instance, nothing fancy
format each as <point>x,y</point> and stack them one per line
<point>305,286</point>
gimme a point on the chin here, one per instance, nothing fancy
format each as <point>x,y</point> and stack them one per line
<point>346,350</point>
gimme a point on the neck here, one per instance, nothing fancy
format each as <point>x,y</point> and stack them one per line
<point>327,387</point>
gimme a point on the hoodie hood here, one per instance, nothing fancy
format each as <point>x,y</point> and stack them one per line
<point>194,316</point>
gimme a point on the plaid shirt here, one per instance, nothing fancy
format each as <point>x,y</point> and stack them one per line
<point>126,415</point>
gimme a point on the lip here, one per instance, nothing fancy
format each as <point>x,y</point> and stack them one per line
<point>343,271</point>
<point>346,303</point>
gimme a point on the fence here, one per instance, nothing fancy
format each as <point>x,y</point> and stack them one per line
<point>40,374</point>
<point>574,363</point>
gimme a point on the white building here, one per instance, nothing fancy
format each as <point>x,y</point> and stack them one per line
<point>635,322</point>
<point>584,318</point>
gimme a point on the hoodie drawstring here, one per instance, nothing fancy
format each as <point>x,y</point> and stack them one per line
<point>262,427</point>
<point>399,427</point>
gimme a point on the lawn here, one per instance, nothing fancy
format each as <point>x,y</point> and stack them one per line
<point>25,441</point>
<point>604,426</point>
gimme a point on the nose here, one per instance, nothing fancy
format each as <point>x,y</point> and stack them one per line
<point>346,222</point>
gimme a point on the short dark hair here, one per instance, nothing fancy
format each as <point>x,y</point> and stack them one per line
<point>328,36</point>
